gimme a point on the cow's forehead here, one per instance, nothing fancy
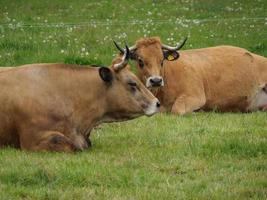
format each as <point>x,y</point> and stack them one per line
<point>149,49</point>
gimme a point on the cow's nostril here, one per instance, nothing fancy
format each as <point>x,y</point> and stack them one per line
<point>156,80</point>
<point>158,104</point>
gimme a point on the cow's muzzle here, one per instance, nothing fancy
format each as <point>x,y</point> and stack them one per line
<point>154,81</point>
<point>152,108</point>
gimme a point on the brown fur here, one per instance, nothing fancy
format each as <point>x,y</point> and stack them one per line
<point>54,107</point>
<point>222,78</point>
<point>144,42</point>
<point>5,68</point>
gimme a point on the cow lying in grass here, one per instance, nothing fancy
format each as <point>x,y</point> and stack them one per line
<point>222,78</point>
<point>54,107</point>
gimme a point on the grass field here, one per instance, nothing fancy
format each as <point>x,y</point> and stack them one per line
<point>199,156</point>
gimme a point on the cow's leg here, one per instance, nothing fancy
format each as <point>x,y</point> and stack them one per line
<point>48,141</point>
<point>187,104</point>
<point>80,141</point>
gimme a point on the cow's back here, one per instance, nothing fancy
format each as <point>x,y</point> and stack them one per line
<point>229,75</point>
<point>261,67</point>
<point>6,68</point>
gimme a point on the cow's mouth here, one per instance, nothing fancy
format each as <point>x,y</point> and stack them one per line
<point>156,85</point>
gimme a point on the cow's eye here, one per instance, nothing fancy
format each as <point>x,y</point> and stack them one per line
<point>141,62</point>
<point>132,84</point>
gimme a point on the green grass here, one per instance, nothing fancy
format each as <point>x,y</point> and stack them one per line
<point>90,27</point>
<point>199,156</point>
<point>162,157</point>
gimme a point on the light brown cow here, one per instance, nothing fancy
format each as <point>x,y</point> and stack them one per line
<point>222,78</point>
<point>55,106</point>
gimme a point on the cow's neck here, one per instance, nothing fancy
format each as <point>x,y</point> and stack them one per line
<point>162,93</point>
<point>89,101</point>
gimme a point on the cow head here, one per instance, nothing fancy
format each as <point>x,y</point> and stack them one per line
<point>150,54</point>
<point>127,96</point>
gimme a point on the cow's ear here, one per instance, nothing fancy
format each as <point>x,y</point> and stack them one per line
<point>171,55</point>
<point>106,74</point>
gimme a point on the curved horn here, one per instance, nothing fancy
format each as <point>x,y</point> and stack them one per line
<point>118,47</point>
<point>124,61</point>
<point>177,47</point>
<point>132,48</point>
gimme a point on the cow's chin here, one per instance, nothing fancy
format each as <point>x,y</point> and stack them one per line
<point>155,89</point>
<point>151,110</point>
<point>121,117</point>
<point>150,86</point>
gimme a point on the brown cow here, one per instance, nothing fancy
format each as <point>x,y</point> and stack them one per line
<point>54,107</point>
<point>223,78</point>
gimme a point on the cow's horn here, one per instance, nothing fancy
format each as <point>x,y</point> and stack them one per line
<point>177,47</point>
<point>132,48</point>
<point>124,61</point>
<point>118,47</point>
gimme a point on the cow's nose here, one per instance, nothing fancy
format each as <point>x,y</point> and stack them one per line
<point>158,104</point>
<point>156,81</point>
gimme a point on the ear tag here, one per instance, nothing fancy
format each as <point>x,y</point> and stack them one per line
<point>170,57</point>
